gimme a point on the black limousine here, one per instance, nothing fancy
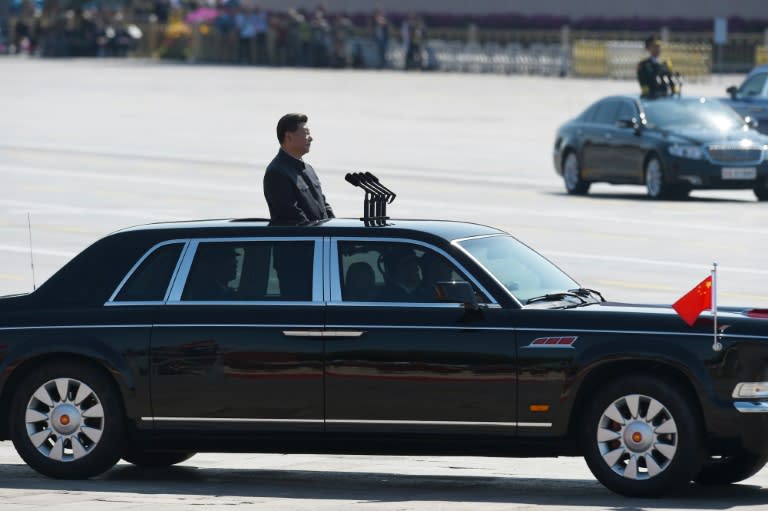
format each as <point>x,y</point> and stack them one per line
<point>348,336</point>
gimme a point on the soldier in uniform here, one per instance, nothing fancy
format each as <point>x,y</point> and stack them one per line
<point>655,75</point>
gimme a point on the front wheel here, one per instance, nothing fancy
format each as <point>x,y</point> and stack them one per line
<point>574,184</point>
<point>641,437</point>
<point>731,469</point>
<point>66,420</point>
<point>761,191</point>
<point>655,186</point>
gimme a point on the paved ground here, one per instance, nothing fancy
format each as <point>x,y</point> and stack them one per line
<point>87,147</point>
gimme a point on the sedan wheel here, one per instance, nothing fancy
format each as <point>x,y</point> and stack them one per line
<point>761,191</point>
<point>654,179</point>
<point>574,185</point>
<point>641,438</point>
<point>66,421</point>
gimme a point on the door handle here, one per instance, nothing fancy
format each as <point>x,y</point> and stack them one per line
<point>323,333</point>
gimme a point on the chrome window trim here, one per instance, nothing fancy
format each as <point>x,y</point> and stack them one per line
<point>111,300</point>
<point>251,303</point>
<point>174,297</point>
<point>336,299</point>
<point>457,243</point>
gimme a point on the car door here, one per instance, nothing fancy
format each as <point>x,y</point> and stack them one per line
<point>598,142</point>
<point>236,345</point>
<point>400,362</point>
<point>625,152</point>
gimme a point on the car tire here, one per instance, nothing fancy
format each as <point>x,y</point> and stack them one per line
<point>574,184</point>
<point>655,184</point>
<point>67,421</point>
<point>731,469</point>
<point>761,191</point>
<point>155,459</point>
<point>641,437</point>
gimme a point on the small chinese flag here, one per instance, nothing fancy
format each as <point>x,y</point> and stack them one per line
<point>695,301</point>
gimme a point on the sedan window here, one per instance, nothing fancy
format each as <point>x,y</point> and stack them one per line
<point>392,272</point>
<point>525,273</point>
<point>607,113</point>
<point>754,85</point>
<point>251,271</point>
<point>149,282</point>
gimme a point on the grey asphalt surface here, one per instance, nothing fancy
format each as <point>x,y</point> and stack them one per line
<point>88,147</point>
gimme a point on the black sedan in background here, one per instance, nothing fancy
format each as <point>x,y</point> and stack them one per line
<point>671,145</point>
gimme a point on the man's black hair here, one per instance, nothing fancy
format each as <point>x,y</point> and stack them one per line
<point>650,41</point>
<point>289,122</point>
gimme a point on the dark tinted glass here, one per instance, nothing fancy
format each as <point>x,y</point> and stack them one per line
<point>150,280</point>
<point>392,272</point>
<point>607,112</point>
<point>627,111</point>
<point>754,85</point>
<point>251,271</point>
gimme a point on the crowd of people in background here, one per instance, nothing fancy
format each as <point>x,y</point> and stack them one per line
<point>294,37</point>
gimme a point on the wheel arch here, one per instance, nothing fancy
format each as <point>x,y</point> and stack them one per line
<point>618,369</point>
<point>120,377</point>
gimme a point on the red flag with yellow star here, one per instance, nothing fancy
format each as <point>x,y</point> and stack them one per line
<point>695,301</point>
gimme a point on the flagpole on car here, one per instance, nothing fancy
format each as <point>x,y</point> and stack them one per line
<point>716,346</point>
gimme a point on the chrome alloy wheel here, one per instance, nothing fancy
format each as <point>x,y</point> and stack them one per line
<point>654,178</point>
<point>637,437</point>
<point>571,172</point>
<point>64,419</point>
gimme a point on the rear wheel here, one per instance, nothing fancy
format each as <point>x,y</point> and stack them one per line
<point>66,420</point>
<point>731,469</point>
<point>155,459</point>
<point>641,437</point>
<point>574,184</point>
<point>655,186</point>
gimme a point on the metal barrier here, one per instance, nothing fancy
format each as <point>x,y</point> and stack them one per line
<point>761,55</point>
<point>618,59</point>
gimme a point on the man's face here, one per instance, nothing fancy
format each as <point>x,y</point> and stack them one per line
<point>655,49</point>
<point>298,142</point>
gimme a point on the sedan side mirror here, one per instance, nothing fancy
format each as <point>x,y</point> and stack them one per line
<point>633,123</point>
<point>751,122</point>
<point>457,291</point>
<point>733,91</point>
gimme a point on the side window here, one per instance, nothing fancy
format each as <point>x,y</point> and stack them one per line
<point>626,111</point>
<point>251,271</point>
<point>150,280</point>
<point>607,113</point>
<point>589,113</point>
<point>392,272</point>
<point>753,86</point>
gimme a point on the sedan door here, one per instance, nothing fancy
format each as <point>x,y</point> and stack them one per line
<point>598,142</point>
<point>234,347</point>
<point>624,152</point>
<point>398,361</point>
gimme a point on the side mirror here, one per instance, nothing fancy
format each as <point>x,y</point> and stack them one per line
<point>457,291</point>
<point>633,123</point>
<point>751,122</point>
<point>733,91</point>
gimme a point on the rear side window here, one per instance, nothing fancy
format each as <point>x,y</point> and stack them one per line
<point>149,282</point>
<point>251,271</point>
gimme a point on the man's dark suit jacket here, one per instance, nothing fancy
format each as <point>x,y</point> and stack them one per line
<point>293,192</point>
